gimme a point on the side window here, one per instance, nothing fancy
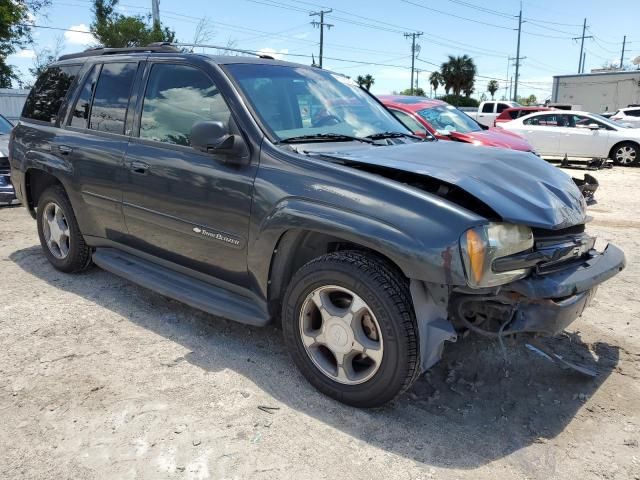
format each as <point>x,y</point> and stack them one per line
<point>549,120</point>
<point>80,112</point>
<point>111,97</point>
<point>516,114</point>
<point>50,90</point>
<point>408,121</point>
<point>502,107</point>
<point>633,113</point>
<point>487,107</point>
<point>177,96</point>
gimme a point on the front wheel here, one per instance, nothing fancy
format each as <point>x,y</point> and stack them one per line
<point>349,324</point>
<point>625,154</point>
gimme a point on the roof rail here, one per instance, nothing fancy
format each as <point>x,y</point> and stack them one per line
<point>159,47</point>
<point>219,47</point>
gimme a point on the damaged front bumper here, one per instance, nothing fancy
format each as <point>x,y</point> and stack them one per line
<point>542,303</point>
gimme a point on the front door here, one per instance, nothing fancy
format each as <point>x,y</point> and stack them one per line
<point>180,204</point>
<point>581,141</point>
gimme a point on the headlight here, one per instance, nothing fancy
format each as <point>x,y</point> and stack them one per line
<point>480,246</point>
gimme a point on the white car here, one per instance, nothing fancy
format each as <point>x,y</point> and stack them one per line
<point>629,115</point>
<point>578,135</point>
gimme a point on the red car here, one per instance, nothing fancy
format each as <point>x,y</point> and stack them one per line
<point>517,112</point>
<point>446,122</point>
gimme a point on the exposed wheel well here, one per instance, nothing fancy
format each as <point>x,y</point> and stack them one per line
<point>297,247</point>
<point>613,149</point>
<point>37,181</point>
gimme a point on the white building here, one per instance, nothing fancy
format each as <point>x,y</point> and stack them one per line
<point>598,91</point>
<point>11,102</point>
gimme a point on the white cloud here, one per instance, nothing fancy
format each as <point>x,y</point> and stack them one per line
<point>26,53</point>
<point>277,54</point>
<point>78,37</point>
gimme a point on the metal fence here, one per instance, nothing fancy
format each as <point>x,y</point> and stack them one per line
<point>11,102</point>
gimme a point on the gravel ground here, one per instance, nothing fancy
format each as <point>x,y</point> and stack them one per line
<point>100,378</point>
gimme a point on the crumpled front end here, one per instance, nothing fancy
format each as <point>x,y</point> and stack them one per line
<point>565,272</point>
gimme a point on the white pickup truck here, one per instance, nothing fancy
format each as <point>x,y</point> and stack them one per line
<point>488,111</point>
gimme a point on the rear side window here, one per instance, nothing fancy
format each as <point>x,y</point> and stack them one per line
<point>548,120</point>
<point>633,113</point>
<point>502,107</point>
<point>111,97</point>
<point>80,112</point>
<point>177,96</point>
<point>487,107</point>
<point>515,114</point>
<point>48,93</point>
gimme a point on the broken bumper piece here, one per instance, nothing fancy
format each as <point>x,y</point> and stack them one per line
<point>543,304</point>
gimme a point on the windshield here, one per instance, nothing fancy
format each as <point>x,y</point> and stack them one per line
<point>5,126</point>
<point>447,118</point>
<point>608,121</point>
<point>301,101</point>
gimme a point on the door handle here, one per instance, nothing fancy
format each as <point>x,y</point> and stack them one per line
<point>138,167</point>
<point>65,149</point>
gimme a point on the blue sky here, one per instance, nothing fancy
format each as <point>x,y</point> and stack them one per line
<point>372,32</point>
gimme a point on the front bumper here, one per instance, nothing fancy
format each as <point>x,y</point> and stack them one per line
<point>544,304</point>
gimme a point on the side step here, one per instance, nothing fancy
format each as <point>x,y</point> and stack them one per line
<point>196,293</point>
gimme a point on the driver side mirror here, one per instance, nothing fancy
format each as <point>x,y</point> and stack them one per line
<point>215,138</point>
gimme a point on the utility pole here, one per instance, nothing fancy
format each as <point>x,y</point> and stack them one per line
<point>155,12</point>
<point>321,26</point>
<point>517,61</point>
<point>510,85</point>
<point>584,60</point>
<point>584,29</point>
<point>624,43</point>
<point>515,88</point>
<point>413,53</point>
<point>418,78</point>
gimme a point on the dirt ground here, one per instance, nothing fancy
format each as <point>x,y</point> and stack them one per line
<point>100,378</point>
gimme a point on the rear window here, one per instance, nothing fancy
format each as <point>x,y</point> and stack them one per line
<point>47,95</point>
<point>487,107</point>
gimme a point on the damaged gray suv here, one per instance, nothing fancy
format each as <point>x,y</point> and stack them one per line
<point>260,191</point>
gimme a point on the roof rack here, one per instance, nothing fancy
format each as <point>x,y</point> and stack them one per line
<point>159,47</point>
<point>156,47</point>
<point>219,47</point>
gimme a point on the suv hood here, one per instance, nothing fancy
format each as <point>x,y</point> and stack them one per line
<point>518,186</point>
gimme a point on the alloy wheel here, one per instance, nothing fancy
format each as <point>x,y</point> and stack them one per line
<point>341,335</point>
<point>56,230</point>
<point>626,155</point>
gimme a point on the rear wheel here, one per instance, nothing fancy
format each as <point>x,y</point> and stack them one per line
<point>625,154</point>
<point>60,237</point>
<point>350,327</point>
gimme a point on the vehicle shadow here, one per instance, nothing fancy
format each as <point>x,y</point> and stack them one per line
<point>469,410</point>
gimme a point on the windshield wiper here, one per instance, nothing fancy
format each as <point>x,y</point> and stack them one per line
<point>331,137</point>
<point>383,135</point>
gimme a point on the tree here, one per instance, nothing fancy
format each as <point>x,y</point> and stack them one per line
<point>435,79</point>
<point>459,74</point>
<point>43,57</point>
<point>15,32</point>
<point>530,100</point>
<point>417,92</point>
<point>492,87</point>
<point>367,81</point>
<point>113,29</point>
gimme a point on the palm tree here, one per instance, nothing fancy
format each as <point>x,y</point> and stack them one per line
<point>458,74</point>
<point>492,87</point>
<point>367,81</point>
<point>435,79</point>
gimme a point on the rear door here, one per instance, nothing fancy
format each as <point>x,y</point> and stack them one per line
<point>95,140</point>
<point>180,204</point>
<point>543,133</point>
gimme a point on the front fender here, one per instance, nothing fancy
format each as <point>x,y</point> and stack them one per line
<point>439,265</point>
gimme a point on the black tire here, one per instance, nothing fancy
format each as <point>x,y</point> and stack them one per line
<point>386,292</point>
<point>632,149</point>
<point>78,257</point>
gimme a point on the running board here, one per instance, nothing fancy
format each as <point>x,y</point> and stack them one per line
<point>195,293</point>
